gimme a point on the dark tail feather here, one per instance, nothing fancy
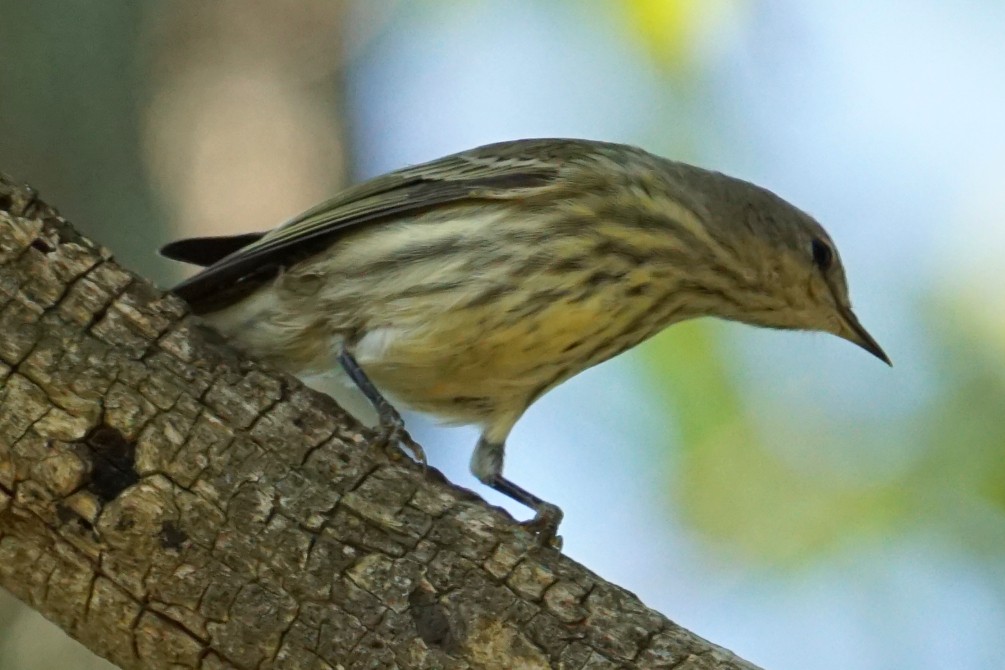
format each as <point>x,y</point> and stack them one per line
<point>204,251</point>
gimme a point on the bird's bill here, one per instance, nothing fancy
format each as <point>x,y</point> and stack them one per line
<point>855,332</point>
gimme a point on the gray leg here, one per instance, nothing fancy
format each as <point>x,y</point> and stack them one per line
<point>487,466</point>
<point>392,427</point>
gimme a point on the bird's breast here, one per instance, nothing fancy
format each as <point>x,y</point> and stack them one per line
<point>471,362</point>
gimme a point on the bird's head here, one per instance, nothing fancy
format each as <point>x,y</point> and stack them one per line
<point>786,271</point>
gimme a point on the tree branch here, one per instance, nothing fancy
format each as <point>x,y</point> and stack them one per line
<point>172,505</point>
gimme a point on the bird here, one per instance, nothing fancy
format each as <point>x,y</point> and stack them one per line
<point>468,286</point>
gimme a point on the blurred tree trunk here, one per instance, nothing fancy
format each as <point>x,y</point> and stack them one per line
<point>71,94</point>
<point>173,505</point>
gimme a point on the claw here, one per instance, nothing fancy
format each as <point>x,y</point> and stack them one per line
<point>393,436</point>
<point>544,525</point>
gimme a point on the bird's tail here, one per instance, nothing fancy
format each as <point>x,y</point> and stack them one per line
<point>204,251</point>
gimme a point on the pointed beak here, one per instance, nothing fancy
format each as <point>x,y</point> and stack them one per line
<point>853,331</point>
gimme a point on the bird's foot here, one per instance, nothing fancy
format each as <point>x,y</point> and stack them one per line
<point>393,437</point>
<point>544,525</point>
<point>390,433</point>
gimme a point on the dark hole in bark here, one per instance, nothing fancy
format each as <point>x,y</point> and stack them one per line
<point>431,621</point>
<point>114,463</point>
<point>67,515</point>
<point>172,537</point>
<point>42,246</point>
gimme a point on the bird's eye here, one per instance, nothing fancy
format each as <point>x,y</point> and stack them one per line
<point>823,255</point>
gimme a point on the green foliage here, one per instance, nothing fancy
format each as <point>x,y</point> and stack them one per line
<point>735,489</point>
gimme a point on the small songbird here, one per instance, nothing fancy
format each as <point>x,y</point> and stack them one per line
<point>469,286</point>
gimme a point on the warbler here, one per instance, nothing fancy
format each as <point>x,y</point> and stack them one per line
<point>469,286</point>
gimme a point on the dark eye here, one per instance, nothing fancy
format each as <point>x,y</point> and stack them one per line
<point>823,255</point>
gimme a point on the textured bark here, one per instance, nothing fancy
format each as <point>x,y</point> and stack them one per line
<point>173,505</point>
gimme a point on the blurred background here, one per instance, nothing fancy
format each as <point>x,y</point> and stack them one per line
<point>784,495</point>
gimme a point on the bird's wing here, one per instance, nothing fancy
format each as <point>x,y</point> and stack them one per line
<point>493,172</point>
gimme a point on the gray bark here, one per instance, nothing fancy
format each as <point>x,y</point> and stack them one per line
<point>171,504</point>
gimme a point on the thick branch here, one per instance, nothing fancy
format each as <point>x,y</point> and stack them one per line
<point>172,505</point>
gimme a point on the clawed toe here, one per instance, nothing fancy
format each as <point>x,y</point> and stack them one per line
<point>393,437</point>
<point>545,524</point>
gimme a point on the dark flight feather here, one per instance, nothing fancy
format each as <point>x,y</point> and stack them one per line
<point>204,251</point>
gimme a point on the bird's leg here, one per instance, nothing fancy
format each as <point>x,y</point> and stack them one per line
<point>487,466</point>
<point>392,426</point>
